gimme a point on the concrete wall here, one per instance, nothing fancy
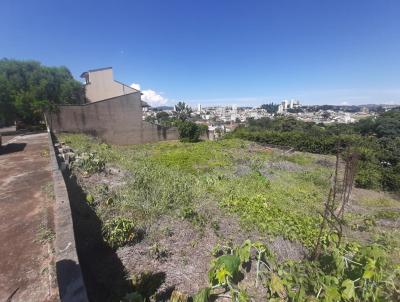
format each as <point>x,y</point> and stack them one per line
<point>69,274</point>
<point>102,86</point>
<point>116,121</point>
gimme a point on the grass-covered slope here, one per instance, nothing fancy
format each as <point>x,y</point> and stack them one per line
<point>172,209</point>
<point>258,184</point>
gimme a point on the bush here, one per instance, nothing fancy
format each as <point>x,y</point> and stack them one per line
<point>391,178</point>
<point>368,175</point>
<point>89,163</point>
<point>119,231</point>
<point>189,131</point>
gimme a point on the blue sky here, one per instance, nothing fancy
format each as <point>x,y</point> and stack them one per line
<point>219,52</point>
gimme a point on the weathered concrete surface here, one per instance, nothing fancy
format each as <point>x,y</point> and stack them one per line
<point>7,138</point>
<point>116,121</point>
<point>26,262</point>
<point>8,129</point>
<point>69,275</point>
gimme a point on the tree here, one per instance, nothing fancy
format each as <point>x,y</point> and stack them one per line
<point>7,107</point>
<point>162,117</point>
<point>150,119</point>
<point>183,111</point>
<point>189,131</point>
<point>27,89</point>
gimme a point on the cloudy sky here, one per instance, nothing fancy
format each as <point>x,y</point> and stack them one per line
<point>150,96</point>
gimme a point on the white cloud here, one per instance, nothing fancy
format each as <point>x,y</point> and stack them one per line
<point>153,98</point>
<point>344,103</point>
<point>135,86</point>
<point>150,96</point>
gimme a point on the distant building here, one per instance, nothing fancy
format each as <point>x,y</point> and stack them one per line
<point>234,109</point>
<point>285,105</point>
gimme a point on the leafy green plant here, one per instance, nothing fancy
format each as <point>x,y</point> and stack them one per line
<point>89,163</point>
<point>348,273</point>
<point>193,216</point>
<point>90,199</point>
<point>224,270</point>
<point>119,231</point>
<point>272,218</point>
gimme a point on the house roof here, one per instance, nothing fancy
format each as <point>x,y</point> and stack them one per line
<point>126,85</point>
<point>94,70</point>
<point>144,104</point>
<point>105,68</point>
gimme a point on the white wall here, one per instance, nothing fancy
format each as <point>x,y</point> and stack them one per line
<point>102,86</point>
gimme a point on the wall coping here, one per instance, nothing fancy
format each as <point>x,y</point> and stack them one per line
<point>100,101</point>
<point>69,274</point>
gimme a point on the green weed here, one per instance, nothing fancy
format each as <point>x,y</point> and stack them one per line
<point>379,202</point>
<point>119,231</point>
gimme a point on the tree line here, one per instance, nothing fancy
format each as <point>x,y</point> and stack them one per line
<point>375,139</point>
<point>28,88</point>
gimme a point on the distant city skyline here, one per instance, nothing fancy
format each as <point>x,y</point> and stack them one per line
<point>219,52</point>
<point>253,102</point>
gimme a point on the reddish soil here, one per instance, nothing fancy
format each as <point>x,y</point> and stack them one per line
<point>26,261</point>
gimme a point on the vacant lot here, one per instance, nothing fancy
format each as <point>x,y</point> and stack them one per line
<point>169,209</point>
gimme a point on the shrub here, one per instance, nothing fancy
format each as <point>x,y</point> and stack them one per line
<point>189,131</point>
<point>368,176</point>
<point>89,163</point>
<point>119,231</point>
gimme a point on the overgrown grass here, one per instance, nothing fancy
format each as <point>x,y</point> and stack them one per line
<point>172,177</point>
<point>270,191</point>
<point>379,202</point>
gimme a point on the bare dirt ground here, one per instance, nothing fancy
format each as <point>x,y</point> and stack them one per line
<point>178,254</point>
<point>380,211</point>
<point>26,256</point>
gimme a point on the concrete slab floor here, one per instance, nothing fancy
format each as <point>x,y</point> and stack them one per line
<point>26,221</point>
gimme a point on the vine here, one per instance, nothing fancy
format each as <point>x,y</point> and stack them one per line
<point>346,273</point>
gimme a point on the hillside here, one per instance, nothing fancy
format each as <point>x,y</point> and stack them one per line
<point>170,209</point>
